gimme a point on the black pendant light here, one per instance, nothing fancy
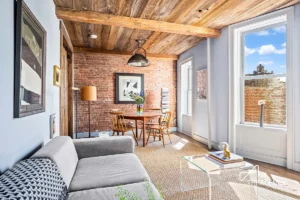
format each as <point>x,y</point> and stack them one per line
<point>138,59</point>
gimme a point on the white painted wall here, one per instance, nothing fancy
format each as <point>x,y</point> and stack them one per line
<point>264,144</point>
<point>19,137</point>
<point>219,86</point>
<point>198,121</point>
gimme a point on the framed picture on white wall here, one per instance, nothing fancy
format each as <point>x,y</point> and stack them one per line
<point>202,84</point>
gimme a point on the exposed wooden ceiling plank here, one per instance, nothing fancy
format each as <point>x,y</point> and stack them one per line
<point>123,8</point>
<point>78,33</point>
<point>181,10</point>
<point>213,10</point>
<point>152,7</point>
<point>186,44</point>
<point>137,23</point>
<point>256,9</point>
<point>98,31</point>
<point>94,50</point>
<point>208,13</point>
<point>64,3</point>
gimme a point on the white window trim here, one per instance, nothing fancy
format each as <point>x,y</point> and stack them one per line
<point>240,34</point>
<point>190,89</point>
<point>235,74</point>
<point>183,109</point>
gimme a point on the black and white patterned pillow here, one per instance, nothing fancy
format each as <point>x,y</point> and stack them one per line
<point>33,179</point>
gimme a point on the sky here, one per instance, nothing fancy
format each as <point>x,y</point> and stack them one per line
<point>267,47</point>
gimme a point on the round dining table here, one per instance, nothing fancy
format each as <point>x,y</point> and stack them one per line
<point>141,117</point>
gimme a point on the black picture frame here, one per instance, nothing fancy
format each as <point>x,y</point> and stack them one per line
<point>118,87</point>
<point>38,57</point>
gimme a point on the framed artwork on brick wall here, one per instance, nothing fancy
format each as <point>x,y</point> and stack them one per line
<point>127,84</point>
<point>201,84</point>
<point>30,63</point>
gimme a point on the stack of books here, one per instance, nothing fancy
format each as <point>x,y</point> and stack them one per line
<point>233,162</point>
<point>165,100</point>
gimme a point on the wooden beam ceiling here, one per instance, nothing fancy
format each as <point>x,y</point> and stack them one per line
<point>214,14</point>
<point>134,23</point>
<point>149,55</point>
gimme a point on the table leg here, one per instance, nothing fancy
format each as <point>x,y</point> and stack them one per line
<point>144,132</point>
<point>136,129</point>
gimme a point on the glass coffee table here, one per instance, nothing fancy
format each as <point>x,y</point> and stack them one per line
<point>198,172</point>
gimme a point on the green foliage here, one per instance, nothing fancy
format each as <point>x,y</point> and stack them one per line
<point>127,195</point>
<point>139,99</point>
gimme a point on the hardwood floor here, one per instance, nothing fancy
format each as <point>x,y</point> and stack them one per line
<point>270,170</point>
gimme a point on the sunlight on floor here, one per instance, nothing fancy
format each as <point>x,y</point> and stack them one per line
<point>280,183</point>
<point>179,145</point>
<point>242,191</point>
<point>289,184</point>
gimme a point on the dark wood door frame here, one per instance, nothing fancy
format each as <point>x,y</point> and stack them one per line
<point>65,43</point>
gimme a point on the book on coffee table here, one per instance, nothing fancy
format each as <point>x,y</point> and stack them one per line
<point>228,165</point>
<point>219,156</point>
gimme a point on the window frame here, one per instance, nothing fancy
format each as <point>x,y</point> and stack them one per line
<point>185,90</point>
<point>253,28</point>
<point>189,89</point>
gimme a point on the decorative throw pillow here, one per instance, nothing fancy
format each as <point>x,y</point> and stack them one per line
<point>33,179</point>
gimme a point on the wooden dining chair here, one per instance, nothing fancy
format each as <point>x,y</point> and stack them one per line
<point>152,122</point>
<point>159,130</point>
<point>119,125</point>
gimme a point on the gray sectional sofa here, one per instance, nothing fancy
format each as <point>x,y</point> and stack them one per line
<point>93,168</point>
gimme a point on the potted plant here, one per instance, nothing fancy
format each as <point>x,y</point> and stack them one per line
<point>139,100</point>
<point>123,194</point>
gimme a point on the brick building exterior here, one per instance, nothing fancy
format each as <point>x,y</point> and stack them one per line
<point>273,91</point>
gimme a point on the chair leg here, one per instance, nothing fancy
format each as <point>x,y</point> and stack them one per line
<point>123,133</point>
<point>168,131</point>
<point>118,133</point>
<point>154,135</point>
<point>162,135</point>
<point>135,138</point>
<point>141,133</point>
<point>148,136</point>
<point>113,133</point>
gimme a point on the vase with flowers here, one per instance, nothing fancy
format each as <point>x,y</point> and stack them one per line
<point>139,100</point>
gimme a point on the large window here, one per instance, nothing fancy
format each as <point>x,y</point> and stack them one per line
<point>186,82</point>
<point>264,74</point>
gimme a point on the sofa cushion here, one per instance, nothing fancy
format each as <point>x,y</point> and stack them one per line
<point>61,151</point>
<point>104,146</point>
<point>107,171</point>
<point>142,190</point>
<point>33,179</point>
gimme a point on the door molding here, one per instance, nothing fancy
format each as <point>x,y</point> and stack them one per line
<point>65,43</point>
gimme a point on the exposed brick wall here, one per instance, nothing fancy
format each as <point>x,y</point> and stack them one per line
<point>273,92</point>
<point>99,70</point>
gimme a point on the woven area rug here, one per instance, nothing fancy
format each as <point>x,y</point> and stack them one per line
<point>163,166</point>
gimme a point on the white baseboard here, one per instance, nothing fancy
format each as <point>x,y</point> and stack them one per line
<point>297,166</point>
<point>205,141</point>
<point>96,133</point>
<point>173,129</point>
<point>264,158</point>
